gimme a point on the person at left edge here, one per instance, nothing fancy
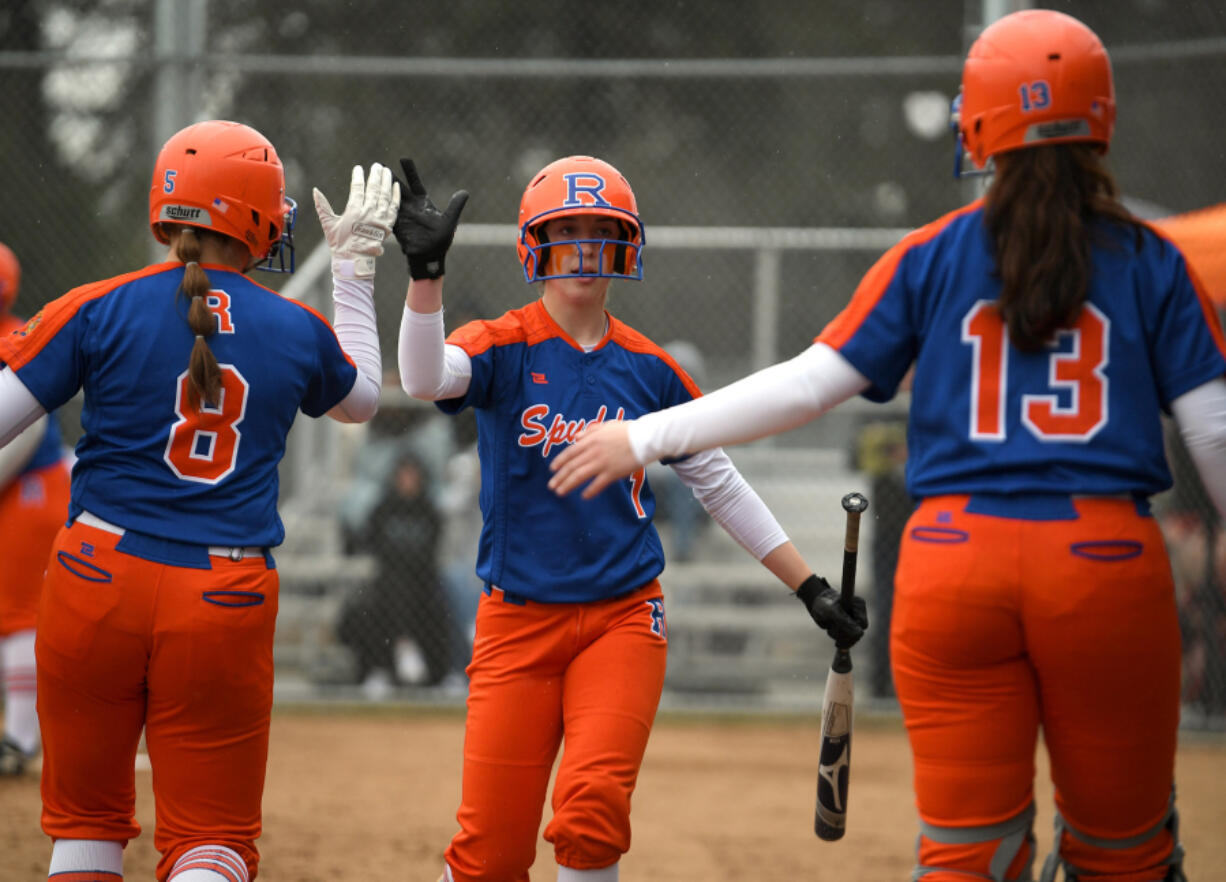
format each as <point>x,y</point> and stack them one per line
<point>161,593</point>
<point>33,504</point>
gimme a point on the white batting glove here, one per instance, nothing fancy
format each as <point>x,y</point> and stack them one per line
<point>355,238</point>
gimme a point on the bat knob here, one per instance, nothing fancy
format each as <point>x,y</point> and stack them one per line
<point>856,502</point>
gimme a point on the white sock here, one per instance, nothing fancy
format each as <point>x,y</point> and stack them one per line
<point>604,874</point>
<point>20,717</point>
<point>105,859</point>
<point>209,863</point>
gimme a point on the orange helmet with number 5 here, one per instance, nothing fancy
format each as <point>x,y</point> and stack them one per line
<point>10,278</point>
<point>577,185</point>
<point>1035,77</point>
<point>225,177</point>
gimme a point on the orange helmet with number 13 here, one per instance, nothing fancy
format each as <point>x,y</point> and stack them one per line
<point>1035,77</point>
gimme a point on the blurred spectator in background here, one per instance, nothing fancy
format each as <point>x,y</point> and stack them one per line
<point>400,627</point>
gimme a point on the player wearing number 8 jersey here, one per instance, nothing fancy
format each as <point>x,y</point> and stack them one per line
<point>1048,331</point>
<point>161,592</point>
<point>571,638</point>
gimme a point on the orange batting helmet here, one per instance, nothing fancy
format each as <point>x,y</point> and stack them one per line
<point>580,185</point>
<point>10,278</point>
<point>226,177</point>
<point>1035,77</point>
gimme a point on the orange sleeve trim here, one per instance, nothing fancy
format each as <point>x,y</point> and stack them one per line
<point>511,327</point>
<point>1203,293</point>
<point>20,347</point>
<point>875,282</point>
<point>634,341</point>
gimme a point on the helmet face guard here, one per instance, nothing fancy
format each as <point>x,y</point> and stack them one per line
<point>283,248</point>
<point>225,177</point>
<point>579,185</point>
<point>1033,77</point>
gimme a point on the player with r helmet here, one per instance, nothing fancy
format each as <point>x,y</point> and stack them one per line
<point>161,593</point>
<point>1048,330</point>
<point>572,187</point>
<point>33,505</point>
<point>571,590</point>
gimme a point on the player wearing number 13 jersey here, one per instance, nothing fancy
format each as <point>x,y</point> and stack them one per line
<point>571,638</point>
<point>1048,331</point>
<point>160,599</point>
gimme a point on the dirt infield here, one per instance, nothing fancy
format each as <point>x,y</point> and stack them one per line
<point>356,795</point>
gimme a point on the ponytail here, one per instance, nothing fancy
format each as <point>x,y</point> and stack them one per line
<point>1041,212</point>
<point>203,372</point>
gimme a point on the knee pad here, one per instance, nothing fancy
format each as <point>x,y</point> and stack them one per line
<point>1072,873</point>
<point>1011,837</point>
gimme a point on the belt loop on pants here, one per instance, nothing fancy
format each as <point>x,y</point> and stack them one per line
<point>497,593</point>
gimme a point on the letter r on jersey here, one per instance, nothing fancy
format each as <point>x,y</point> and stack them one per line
<point>584,183</point>
<point>218,303</point>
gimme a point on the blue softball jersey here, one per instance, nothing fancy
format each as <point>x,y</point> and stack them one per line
<point>150,462</point>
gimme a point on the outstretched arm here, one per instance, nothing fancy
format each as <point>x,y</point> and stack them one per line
<point>1201,415</point>
<point>17,453</point>
<point>773,400</point>
<point>355,239</point>
<point>429,369</point>
<point>18,407</point>
<point>737,507</point>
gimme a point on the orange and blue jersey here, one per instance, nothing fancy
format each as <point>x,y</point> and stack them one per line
<point>150,462</point>
<point>533,389</point>
<point>1081,416</point>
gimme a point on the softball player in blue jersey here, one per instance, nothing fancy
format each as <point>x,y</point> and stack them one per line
<point>571,636</point>
<point>1048,331</point>
<point>159,604</point>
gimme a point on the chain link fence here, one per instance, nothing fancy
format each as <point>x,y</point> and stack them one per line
<point>775,149</point>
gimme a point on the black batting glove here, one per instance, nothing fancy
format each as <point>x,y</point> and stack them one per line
<point>424,232</point>
<point>826,608</point>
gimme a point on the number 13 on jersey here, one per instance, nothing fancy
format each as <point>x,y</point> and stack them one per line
<point>1075,366</point>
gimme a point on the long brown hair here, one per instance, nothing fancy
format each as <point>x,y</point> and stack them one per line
<point>1040,213</point>
<point>203,371</point>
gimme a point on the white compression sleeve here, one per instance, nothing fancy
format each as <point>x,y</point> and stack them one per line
<point>731,502</point>
<point>15,454</point>
<point>430,369</point>
<point>773,400</point>
<point>358,333</point>
<point>1201,415</point>
<point>18,406</point>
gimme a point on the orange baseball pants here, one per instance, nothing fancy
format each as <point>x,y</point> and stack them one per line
<point>33,507</point>
<point>589,673</point>
<point>1002,625</point>
<point>186,654</point>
